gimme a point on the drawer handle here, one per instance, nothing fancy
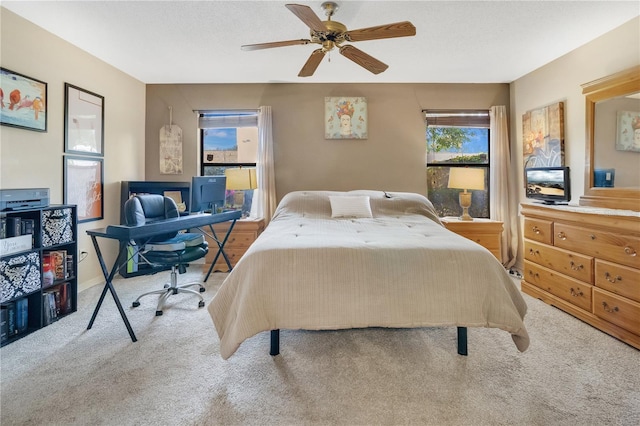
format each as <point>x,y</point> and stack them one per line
<point>562,235</point>
<point>630,251</point>
<point>533,274</point>
<point>576,267</point>
<point>575,293</point>
<point>610,278</point>
<point>608,309</point>
<point>533,252</point>
<point>56,216</point>
<point>19,265</point>
<point>536,230</point>
<point>593,237</point>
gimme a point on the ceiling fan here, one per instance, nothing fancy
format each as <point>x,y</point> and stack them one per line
<point>332,34</point>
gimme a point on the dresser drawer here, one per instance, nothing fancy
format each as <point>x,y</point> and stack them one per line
<point>569,263</point>
<point>239,239</point>
<point>573,291</point>
<point>538,230</point>
<point>605,245</point>
<point>621,312</point>
<point>618,279</point>
<point>234,256</point>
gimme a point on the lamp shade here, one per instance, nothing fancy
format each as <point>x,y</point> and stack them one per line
<point>241,178</point>
<point>466,178</point>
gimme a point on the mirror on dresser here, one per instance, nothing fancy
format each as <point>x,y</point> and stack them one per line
<point>612,171</point>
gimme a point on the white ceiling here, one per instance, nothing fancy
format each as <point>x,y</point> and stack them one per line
<point>199,41</point>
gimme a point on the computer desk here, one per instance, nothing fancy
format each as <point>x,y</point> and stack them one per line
<point>124,234</point>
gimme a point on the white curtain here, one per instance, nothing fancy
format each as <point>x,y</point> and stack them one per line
<point>266,193</point>
<point>503,199</point>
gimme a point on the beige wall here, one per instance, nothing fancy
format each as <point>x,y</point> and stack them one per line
<point>33,159</point>
<point>392,158</point>
<point>560,81</point>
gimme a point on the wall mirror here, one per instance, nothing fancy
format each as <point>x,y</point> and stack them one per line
<point>612,171</point>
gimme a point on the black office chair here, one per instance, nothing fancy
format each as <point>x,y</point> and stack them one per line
<point>172,249</point>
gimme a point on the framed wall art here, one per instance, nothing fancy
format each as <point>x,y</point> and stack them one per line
<point>345,118</point>
<point>628,131</point>
<point>543,136</point>
<point>84,186</point>
<point>83,121</point>
<point>24,101</point>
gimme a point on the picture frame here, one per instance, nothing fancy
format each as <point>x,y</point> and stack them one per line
<point>84,186</point>
<point>345,118</point>
<point>25,104</point>
<point>543,136</point>
<point>628,131</point>
<point>83,121</point>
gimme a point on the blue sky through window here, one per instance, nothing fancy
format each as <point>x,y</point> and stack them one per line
<point>220,139</point>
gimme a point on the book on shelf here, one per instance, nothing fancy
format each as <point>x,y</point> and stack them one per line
<point>14,226</point>
<point>58,262</point>
<point>15,318</point>
<point>4,323</point>
<point>3,227</point>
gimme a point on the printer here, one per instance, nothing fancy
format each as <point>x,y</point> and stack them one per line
<point>22,199</point>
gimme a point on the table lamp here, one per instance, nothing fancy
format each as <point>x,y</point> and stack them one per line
<point>241,179</point>
<point>466,178</point>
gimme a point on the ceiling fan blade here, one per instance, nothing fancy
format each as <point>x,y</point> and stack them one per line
<point>363,59</point>
<point>306,15</point>
<point>274,44</point>
<point>398,29</point>
<point>312,63</point>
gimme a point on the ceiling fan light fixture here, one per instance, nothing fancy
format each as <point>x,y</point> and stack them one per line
<point>330,34</point>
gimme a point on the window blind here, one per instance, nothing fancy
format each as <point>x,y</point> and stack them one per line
<point>227,119</point>
<point>457,118</point>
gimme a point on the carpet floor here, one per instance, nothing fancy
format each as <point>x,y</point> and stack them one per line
<point>572,374</point>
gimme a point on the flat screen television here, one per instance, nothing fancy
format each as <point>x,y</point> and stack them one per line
<point>207,193</point>
<point>549,185</point>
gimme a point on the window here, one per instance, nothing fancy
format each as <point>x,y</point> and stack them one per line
<point>456,139</point>
<point>229,140</point>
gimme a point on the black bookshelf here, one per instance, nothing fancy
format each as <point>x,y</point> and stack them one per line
<point>38,268</point>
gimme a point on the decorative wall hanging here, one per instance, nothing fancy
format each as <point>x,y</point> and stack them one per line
<point>171,148</point>
<point>83,121</point>
<point>83,186</point>
<point>23,101</point>
<point>543,136</point>
<point>345,118</point>
<point>628,131</point>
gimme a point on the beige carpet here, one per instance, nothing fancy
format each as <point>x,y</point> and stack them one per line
<point>572,374</point>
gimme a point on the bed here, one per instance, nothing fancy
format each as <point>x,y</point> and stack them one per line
<point>339,260</point>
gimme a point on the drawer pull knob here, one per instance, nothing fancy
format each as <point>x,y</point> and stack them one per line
<point>533,252</point>
<point>630,251</point>
<point>575,293</point>
<point>562,235</point>
<point>611,279</point>
<point>536,230</point>
<point>593,237</point>
<point>576,267</point>
<point>608,309</point>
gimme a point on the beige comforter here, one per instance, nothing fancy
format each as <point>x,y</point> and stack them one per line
<point>401,268</point>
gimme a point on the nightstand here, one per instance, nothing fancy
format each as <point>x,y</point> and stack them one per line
<point>244,233</point>
<point>486,232</point>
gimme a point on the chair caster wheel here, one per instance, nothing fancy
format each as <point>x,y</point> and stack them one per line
<point>202,289</point>
<point>158,313</point>
<point>201,304</point>
<point>135,304</point>
<point>166,286</point>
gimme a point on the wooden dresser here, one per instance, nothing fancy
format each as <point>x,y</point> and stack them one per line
<point>244,233</point>
<point>486,232</point>
<point>586,261</point>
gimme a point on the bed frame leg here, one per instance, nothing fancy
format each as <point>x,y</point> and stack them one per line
<point>462,341</point>
<point>275,343</point>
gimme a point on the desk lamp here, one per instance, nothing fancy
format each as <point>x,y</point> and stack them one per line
<point>466,178</point>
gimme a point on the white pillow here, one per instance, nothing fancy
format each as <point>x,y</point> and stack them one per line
<point>350,206</point>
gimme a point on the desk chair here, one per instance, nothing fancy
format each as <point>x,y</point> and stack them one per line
<point>172,249</point>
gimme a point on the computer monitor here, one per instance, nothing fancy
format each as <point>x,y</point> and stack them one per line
<point>207,193</point>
